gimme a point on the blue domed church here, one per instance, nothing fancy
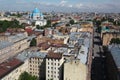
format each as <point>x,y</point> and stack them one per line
<point>37,17</point>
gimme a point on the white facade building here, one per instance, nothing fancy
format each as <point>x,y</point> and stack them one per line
<point>54,65</point>
<point>37,17</point>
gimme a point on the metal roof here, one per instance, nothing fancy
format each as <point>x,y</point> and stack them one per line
<point>17,37</point>
<point>28,54</point>
<point>4,44</point>
<point>115,51</point>
<point>83,42</point>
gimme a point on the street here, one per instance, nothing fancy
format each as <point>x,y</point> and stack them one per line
<point>98,64</point>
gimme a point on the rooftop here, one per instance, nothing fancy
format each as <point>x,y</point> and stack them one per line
<point>83,41</point>
<point>26,54</point>
<point>17,37</point>
<point>4,44</point>
<point>115,51</point>
<point>8,66</point>
<point>53,55</point>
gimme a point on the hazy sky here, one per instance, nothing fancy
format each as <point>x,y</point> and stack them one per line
<point>62,5</point>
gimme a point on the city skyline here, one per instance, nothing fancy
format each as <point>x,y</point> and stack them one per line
<point>61,5</point>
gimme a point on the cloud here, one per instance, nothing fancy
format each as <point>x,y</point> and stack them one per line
<point>70,5</point>
<point>63,3</point>
<point>78,5</point>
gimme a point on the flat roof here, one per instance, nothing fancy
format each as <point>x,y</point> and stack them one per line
<point>83,43</point>
<point>26,54</point>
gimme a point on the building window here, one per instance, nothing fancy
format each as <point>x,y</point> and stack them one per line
<point>58,64</point>
<point>51,63</point>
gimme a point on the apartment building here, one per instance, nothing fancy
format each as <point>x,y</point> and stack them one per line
<point>9,69</point>
<point>82,42</point>
<point>35,61</point>
<point>12,44</point>
<point>74,70</point>
<point>37,67</point>
<point>107,36</point>
<point>113,62</point>
<point>54,66</point>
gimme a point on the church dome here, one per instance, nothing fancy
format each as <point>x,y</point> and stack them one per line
<point>36,14</point>
<point>36,10</point>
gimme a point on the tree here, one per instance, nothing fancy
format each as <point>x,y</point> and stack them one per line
<point>54,25</point>
<point>33,42</point>
<point>27,76</point>
<point>37,26</point>
<point>10,24</point>
<point>48,23</point>
<point>99,29</point>
<point>33,23</point>
<point>72,22</point>
<point>98,22</point>
<point>67,24</point>
<point>115,41</point>
<point>112,41</point>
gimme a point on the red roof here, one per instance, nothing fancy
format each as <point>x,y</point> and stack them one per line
<point>29,31</point>
<point>8,66</point>
<point>44,45</point>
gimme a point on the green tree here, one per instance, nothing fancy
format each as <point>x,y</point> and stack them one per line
<point>112,41</point>
<point>33,23</point>
<point>72,22</point>
<point>48,23</point>
<point>37,26</point>
<point>10,24</point>
<point>115,41</point>
<point>99,29</point>
<point>27,76</point>
<point>33,42</point>
<point>54,25</point>
<point>67,24</point>
<point>98,22</point>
